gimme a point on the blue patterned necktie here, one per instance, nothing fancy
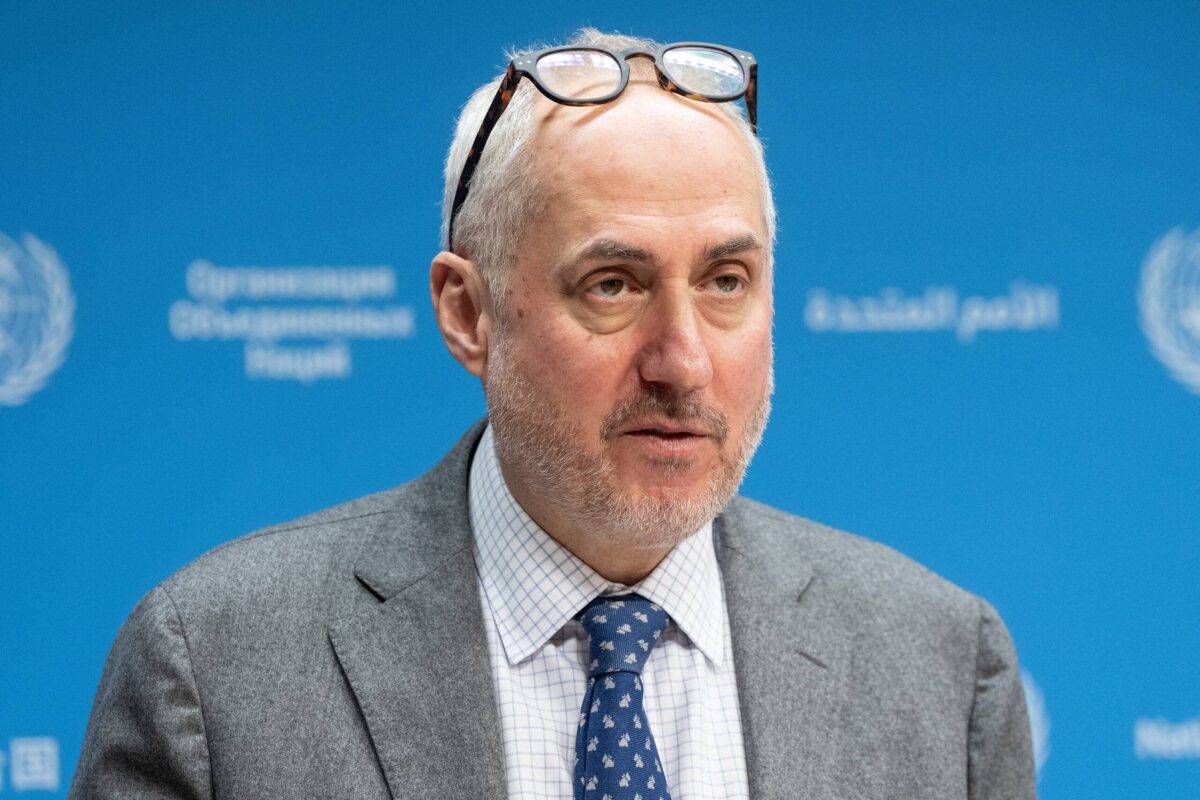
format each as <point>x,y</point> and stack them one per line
<point>615,754</point>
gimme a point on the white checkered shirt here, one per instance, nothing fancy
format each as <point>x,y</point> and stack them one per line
<point>531,587</point>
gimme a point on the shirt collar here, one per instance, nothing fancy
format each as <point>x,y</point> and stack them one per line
<point>533,585</point>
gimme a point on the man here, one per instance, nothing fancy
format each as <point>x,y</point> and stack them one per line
<point>572,603</point>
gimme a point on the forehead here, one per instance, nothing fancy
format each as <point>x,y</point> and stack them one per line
<point>648,153</point>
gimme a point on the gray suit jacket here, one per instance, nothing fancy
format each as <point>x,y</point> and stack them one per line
<point>342,655</point>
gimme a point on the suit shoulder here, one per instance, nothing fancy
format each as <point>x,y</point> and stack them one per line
<point>291,567</point>
<point>288,558</point>
<point>878,576</point>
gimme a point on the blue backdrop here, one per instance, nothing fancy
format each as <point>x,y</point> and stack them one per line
<point>988,315</point>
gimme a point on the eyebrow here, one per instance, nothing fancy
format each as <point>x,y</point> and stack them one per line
<point>731,247</point>
<point>614,250</point>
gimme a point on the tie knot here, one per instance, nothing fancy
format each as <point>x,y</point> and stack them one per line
<point>622,630</point>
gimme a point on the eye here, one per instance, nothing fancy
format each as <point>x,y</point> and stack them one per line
<point>727,284</point>
<point>610,287</point>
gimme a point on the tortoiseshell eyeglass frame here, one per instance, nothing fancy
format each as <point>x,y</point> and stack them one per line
<point>526,66</point>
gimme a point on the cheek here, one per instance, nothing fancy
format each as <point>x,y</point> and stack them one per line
<point>580,372</point>
<point>740,369</point>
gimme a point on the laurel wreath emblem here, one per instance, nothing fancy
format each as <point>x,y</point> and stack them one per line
<point>31,373</point>
<point>1162,301</point>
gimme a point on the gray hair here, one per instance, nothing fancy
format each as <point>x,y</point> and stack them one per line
<point>504,191</point>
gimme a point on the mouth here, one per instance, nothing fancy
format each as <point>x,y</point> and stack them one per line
<point>666,431</point>
<point>668,442</point>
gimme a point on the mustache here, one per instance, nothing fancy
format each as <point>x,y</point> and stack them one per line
<point>684,409</point>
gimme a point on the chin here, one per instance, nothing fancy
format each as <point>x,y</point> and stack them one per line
<point>654,514</point>
<point>665,497</point>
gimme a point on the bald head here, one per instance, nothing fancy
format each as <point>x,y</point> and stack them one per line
<point>648,148</point>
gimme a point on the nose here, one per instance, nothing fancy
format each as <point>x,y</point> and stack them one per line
<point>675,354</point>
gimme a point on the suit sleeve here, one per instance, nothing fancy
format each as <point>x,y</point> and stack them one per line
<point>146,737</point>
<point>1000,756</point>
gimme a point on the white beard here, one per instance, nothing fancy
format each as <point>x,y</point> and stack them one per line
<point>543,444</point>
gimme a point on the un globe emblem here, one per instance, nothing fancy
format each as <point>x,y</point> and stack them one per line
<point>1169,304</point>
<point>37,317</point>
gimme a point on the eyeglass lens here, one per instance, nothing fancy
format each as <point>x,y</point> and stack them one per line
<point>703,70</point>
<point>580,74</point>
<point>592,74</point>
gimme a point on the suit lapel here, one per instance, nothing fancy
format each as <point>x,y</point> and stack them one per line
<point>417,658</point>
<point>790,658</point>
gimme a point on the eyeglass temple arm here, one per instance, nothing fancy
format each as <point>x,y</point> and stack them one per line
<point>752,98</point>
<point>504,94</point>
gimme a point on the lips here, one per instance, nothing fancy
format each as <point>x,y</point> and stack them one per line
<point>665,430</point>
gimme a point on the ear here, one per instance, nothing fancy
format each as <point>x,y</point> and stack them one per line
<point>462,308</point>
